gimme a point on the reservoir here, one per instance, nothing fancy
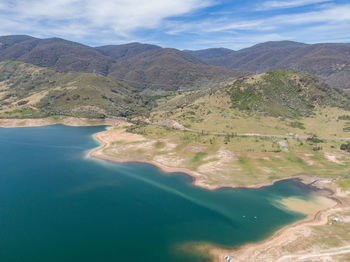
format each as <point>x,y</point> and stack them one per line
<point>57,204</point>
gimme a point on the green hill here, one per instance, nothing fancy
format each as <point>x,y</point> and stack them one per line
<point>27,90</point>
<point>280,93</point>
<point>278,102</point>
<point>284,93</point>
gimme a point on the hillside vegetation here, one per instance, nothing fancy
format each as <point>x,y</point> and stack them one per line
<point>276,103</point>
<point>285,93</point>
<point>27,90</point>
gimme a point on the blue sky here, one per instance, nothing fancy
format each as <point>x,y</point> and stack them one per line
<point>183,24</point>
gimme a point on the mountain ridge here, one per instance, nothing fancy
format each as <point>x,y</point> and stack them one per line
<point>111,61</point>
<point>328,61</point>
<point>146,66</point>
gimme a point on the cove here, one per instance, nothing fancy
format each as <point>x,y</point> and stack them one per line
<point>56,204</point>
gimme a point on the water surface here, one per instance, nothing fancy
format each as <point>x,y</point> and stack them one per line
<point>58,205</point>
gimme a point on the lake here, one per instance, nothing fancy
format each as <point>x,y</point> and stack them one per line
<point>57,204</point>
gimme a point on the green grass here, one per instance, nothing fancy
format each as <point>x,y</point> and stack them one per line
<point>159,144</point>
<point>297,124</point>
<point>314,140</point>
<point>244,98</point>
<point>20,112</point>
<point>344,117</point>
<point>198,157</point>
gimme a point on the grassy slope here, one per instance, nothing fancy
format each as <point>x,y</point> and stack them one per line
<point>245,161</point>
<point>27,90</point>
<point>269,107</point>
<point>236,160</point>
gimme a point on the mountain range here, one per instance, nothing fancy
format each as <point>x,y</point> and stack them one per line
<point>40,77</point>
<point>145,66</point>
<point>328,61</point>
<point>139,65</point>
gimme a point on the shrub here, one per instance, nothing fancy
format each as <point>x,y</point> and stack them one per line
<point>297,124</point>
<point>345,147</point>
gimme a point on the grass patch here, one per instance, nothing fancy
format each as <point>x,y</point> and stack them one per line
<point>344,117</point>
<point>344,183</point>
<point>159,144</point>
<point>297,124</point>
<point>314,140</point>
<point>198,157</point>
<point>20,112</point>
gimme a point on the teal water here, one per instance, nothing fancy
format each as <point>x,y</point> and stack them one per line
<point>58,205</point>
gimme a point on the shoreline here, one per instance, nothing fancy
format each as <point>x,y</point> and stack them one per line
<point>48,121</point>
<point>246,252</point>
<point>287,234</point>
<point>197,178</point>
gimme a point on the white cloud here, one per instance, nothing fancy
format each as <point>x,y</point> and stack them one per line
<point>327,24</point>
<point>270,5</point>
<point>119,16</point>
<point>334,15</point>
<point>170,22</point>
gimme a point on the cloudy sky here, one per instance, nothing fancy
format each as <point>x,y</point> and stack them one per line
<point>183,24</point>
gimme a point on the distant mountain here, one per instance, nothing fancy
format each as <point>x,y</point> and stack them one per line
<point>167,69</point>
<point>210,53</point>
<point>118,52</point>
<point>139,65</point>
<point>31,91</point>
<point>330,62</point>
<point>151,67</point>
<point>55,53</point>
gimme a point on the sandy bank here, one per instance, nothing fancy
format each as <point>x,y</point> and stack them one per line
<point>68,121</point>
<point>271,250</point>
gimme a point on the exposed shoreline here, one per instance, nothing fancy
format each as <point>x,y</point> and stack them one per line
<point>197,178</point>
<point>246,252</point>
<point>67,121</point>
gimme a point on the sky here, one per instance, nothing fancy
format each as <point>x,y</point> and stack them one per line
<point>182,24</point>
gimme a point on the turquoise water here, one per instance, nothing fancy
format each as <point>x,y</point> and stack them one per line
<point>58,205</point>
